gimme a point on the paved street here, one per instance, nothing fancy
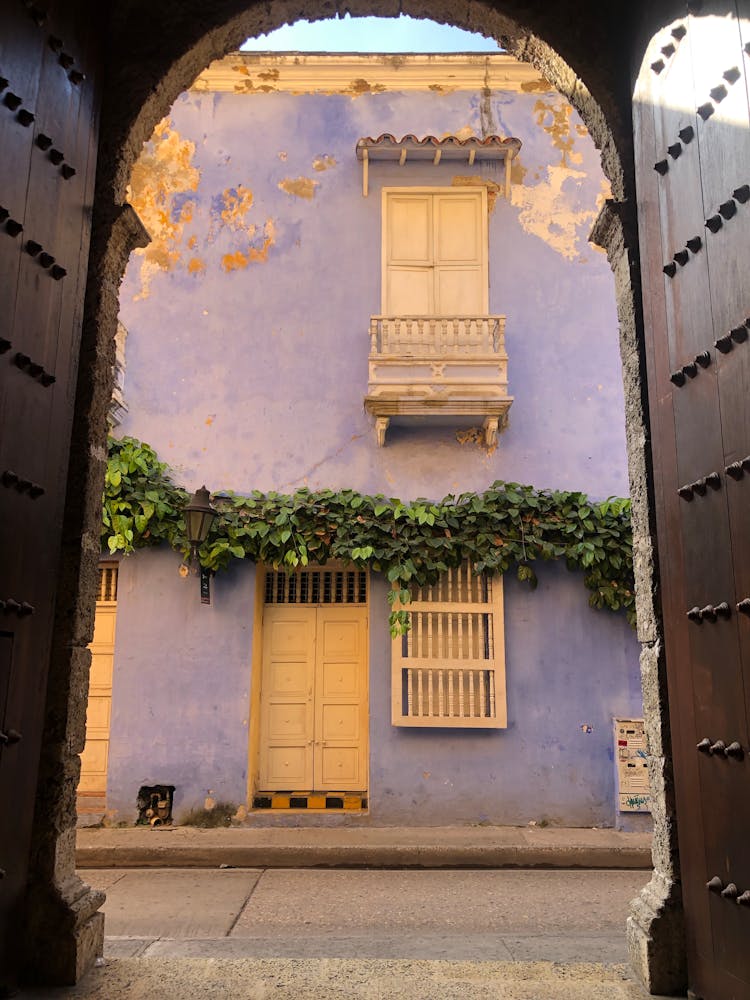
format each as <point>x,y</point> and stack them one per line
<point>375,935</point>
<point>567,916</point>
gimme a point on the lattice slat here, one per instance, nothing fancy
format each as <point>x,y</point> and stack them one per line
<point>319,585</point>
<point>449,667</point>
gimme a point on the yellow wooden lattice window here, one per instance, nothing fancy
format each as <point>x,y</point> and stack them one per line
<point>449,668</point>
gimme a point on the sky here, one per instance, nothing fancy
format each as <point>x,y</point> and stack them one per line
<point>370,34</point>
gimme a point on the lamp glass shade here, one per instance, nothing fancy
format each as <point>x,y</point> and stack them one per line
<point>199,516</point>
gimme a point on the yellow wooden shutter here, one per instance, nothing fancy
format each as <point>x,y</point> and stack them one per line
<point>449,669</point>
<point>341,700</point>
<point>94,759</point>
<point>460,263</point>
<point>435,253</point>
<point>410,257</point>
<point>287,716</point>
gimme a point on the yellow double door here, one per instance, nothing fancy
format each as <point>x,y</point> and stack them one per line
<point>313,704</point>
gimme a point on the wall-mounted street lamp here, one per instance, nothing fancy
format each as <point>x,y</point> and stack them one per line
<point>199,516</point>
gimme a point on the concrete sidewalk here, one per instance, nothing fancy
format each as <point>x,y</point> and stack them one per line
<point>337,979</point>
<point>332,934</point>
<point>373,847</point>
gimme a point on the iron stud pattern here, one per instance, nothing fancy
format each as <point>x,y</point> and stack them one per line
<point>728,209</point>
<point>65,59</point>
<point>27,118</point>
<point>737,335</point>
<point>33,249</point>
<point>728,891</point>
<point>718,93</point>
<point>700,486</point>
<point>686,135</point>
<point>37,14</point>
<point>709,613</point>
<point>34,369</point>
<point>738,469</point>
<point>692,246</point>
<point>669,48</point>
<point>10,479</point>
<point>13,607</point>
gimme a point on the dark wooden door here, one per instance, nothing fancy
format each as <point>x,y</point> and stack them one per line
<point>48,132</point>
<point>692,140</point>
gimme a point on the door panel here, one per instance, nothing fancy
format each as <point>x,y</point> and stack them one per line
<point>459,291</point>
<point>286,715</point>
<point>458,229</point>
<point>692,155</point>
<point>410,291</point>
<point>313,713</point>
<point>41,310</point>
<point>95,756</point>
<point>341,700</point>
<point>410,229</point>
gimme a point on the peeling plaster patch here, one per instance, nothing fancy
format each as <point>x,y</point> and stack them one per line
<point>162,179</point>
<point>251,244</point>
<point>282,155</point>
<point>494,190</point>
<point>196,265</point>
<point>252,254</point>
<point>551,209</point>
<point>210,419</point>
<point>475,436</point>
<point>465,132</point>
<point>299,187</point>
<point>538,86</point>
<point>517,170</point>
<point>582,130</point>
<point>269,74</point>
<point>554,117</point>
<point>259,255</point>
<point>324,162</point>
<point>192,242</point>
<point>237,203</point>
<point>361,86</point>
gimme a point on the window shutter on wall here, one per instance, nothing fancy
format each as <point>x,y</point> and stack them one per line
<point>449,669</point>
<point>435,253</point>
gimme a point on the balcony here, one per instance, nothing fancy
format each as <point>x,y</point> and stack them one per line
<point>440,368</point>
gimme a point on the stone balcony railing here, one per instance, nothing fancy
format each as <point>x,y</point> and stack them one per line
<point>438,367</point>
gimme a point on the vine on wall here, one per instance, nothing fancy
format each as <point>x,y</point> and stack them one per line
<point>509,526</point>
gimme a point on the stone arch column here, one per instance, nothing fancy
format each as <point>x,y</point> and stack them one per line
<point>155,53</point>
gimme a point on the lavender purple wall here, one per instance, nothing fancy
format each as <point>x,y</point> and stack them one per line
<point>247,368</point>
<point>181,699</point>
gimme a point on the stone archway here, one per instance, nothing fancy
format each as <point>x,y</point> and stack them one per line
<point>154,56</point>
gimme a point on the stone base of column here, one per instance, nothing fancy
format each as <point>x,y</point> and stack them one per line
<point>67,933</point>
<point>656,937</point>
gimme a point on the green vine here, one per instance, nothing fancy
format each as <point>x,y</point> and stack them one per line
<point>507,526</point>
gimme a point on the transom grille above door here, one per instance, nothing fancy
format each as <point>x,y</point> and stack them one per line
<point>319,585</point>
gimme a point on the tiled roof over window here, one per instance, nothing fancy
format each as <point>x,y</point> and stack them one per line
<point>388,147</point>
